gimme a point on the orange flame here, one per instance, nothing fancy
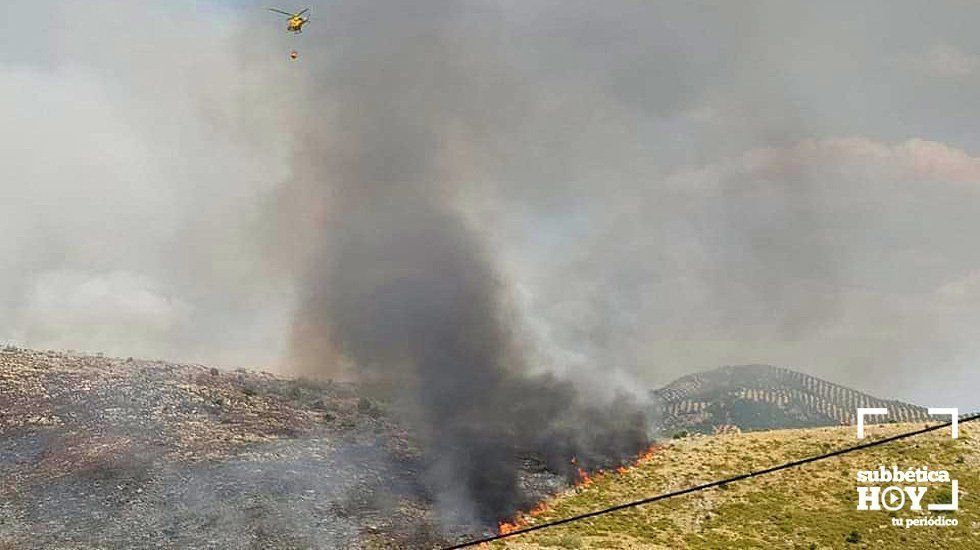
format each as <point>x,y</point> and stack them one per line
<point>541,508</point>
<point>646,455</point>
<point>521,521</point>
<point>582,479</point>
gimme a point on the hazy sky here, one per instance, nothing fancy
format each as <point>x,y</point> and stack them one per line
<point>664,187</point>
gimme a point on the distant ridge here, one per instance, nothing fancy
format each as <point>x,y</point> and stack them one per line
<point>764,397</point>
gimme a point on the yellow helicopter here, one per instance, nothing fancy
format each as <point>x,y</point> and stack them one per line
<point>296,20</point>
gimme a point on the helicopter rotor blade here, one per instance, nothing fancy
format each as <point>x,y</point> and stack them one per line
<point>304,11</point>
<point>280,11</point>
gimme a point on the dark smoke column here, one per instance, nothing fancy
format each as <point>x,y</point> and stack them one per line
<point>407,292</point>
<point>410,299</point>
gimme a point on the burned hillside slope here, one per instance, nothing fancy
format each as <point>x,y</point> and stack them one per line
<point>100,452</point>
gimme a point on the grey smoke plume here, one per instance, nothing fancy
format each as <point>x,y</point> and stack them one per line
<point>406,291</point>
<point>407,294</point>
<point>650,188</point>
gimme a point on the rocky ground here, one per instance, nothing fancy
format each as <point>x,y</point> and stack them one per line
<point>98,452</point>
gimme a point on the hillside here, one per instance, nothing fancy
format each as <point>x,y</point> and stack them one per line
<point>762,397</point>
<point>98,452</point>
<point>809,507</point>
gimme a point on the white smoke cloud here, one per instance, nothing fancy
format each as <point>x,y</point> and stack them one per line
<point>666,185</point>
<point>139,153</point>
<point>115,312</point>
<point>946,61</point>
<point>842,256</point>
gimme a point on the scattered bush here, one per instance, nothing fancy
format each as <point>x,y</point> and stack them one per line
<point>368,407</point>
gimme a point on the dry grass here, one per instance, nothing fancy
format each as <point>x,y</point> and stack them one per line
<point>809,507</point>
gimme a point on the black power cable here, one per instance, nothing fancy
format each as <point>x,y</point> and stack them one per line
<point>696,488</point>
